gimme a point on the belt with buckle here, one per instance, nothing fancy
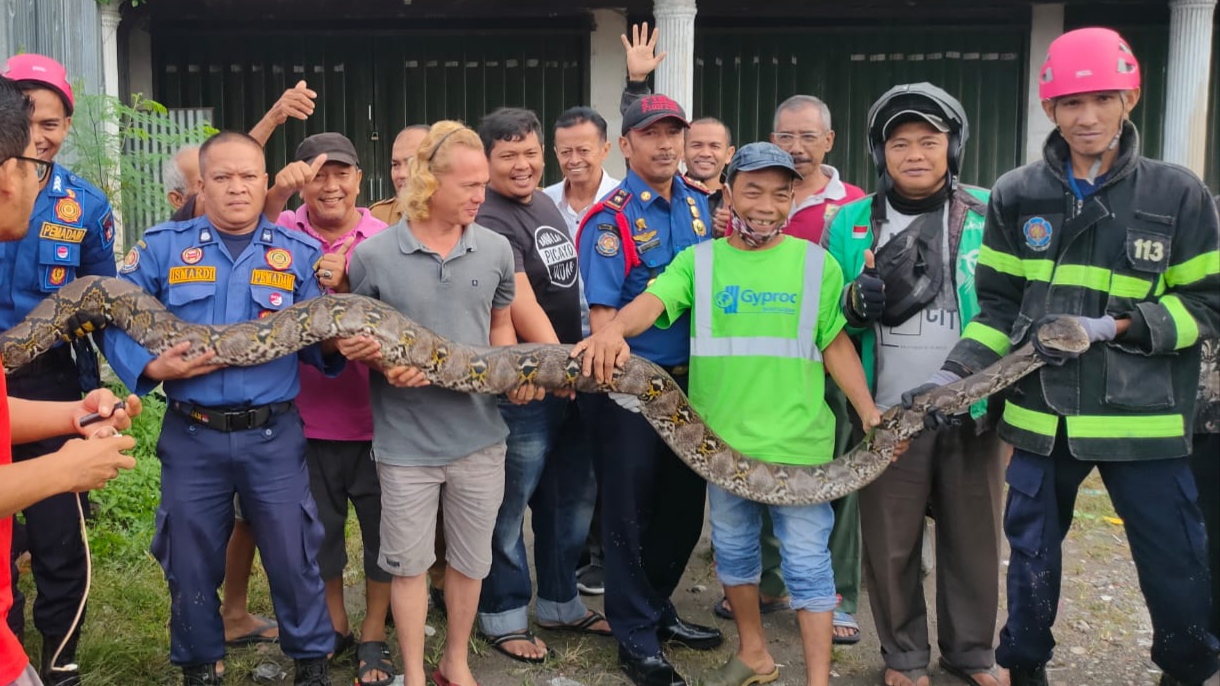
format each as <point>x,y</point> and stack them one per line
<point>230,420</point>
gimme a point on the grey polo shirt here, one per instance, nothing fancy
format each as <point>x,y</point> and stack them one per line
<point>453,296</point>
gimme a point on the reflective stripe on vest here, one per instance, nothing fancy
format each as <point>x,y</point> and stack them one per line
<point>803,346</point>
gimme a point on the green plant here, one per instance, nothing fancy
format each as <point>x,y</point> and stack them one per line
<point>121,147</point>
<point>125,511</point>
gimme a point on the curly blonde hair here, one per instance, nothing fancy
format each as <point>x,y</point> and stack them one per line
<point>432,158</point>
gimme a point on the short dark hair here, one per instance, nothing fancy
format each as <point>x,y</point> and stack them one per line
<point>15,112</point>
<point>510,124</point>
<point>728,133</point>
<point>575,116</point>
<point>225,137</point>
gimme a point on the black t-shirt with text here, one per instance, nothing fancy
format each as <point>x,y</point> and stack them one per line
<point>542,249</point>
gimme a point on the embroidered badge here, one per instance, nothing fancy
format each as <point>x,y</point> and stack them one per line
<point>59,232</point>
<point>192,275</point>
<point>62,253</point>
<point>264,313</point>
<point>279,259</point>
<point>264,277</point>
<point>1037,233</point>
<point>276,299</point>
<point>58,276</point>
<point>859,231</point>
<point>108,230</point>
<point>192,255</point>
<point>130,261</point>
<point>68,210</point>
<point>607,244</point>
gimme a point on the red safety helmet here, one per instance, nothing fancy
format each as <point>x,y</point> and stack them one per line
<point>29,68</point>
<point>1087,61</point>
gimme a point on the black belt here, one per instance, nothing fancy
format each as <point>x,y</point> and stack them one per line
<point>239,419</point>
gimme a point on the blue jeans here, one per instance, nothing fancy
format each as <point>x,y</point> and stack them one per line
<point>1157,501</point>
<point>549,469</point>
<point>804,545</point>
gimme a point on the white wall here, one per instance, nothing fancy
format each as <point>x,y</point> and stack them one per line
<point>607,76</point>
<point>1045,26</point>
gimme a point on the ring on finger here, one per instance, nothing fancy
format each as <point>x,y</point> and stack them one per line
<point>325,274</point>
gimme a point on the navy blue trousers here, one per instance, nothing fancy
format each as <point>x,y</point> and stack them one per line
<point>52,526</point>
<point>200,470</point>
<point>652,516</point>
<point>1157,502</point>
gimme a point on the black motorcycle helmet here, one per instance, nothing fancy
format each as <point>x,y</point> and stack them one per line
<point>911,100</point>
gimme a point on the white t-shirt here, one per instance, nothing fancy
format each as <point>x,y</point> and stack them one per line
<point>573,218</point>
<point>911,352</point>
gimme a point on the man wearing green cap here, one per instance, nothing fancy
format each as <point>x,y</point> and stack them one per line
<point>766,327</point>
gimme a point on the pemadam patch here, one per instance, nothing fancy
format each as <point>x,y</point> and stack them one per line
<point>1037,233</point>
<point>130,261</point>
<point>192,255</point>
<point>68,210</point>
<point>279,259</point>
<point>607,244</point>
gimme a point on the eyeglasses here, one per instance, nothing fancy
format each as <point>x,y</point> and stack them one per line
<point>806,137</point>
<point>42,168</point>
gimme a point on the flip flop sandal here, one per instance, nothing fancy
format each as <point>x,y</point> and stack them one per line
<point>914,675</point>
<point>440,679</point>
<point>376,658</point>
<point>583,626</point>
<point>846,621</point>
<point>737,673</point>
<point>498,642</point>
<point>256,634</point>
<point>968,676</point>
<point>766,608</point>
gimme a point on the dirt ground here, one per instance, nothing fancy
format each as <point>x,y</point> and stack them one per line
<point>1103,629</point>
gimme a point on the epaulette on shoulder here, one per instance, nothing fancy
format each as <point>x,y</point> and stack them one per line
<point>696,185</point>
<point>618,199</point>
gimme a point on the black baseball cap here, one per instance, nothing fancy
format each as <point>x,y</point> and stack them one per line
<point>650,109</point>
<point>336,146</point>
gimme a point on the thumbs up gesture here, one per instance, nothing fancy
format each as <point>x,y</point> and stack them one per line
<point>296,102</point>
<point>865,299</point>
<point>292,178</point>
<point>331,270</point>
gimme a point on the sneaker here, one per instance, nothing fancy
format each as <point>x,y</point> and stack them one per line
<point>590,580</point>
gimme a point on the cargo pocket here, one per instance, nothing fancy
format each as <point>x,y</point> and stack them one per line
<point>311,534</point>
<point>271,299</point>
<point>192,301</point>
<point>1024,521</point>
<point>57,264</point>
<point>1138,382</point>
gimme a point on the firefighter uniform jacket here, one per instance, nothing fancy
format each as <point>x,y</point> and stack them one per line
<point>1142,247</point>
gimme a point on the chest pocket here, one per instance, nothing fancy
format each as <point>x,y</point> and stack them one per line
<point>57,263</point>
<point>270,299</point>
<point>194,302</point>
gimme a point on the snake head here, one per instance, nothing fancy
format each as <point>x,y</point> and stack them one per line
<point>1064,333</point>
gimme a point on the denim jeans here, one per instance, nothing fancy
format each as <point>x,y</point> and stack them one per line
<point>803,532</point>
<point>549,469</point>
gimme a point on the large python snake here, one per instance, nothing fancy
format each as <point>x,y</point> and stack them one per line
<point>94,302</point>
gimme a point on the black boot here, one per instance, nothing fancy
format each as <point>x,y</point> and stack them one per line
<point>312,672</point>
<point>1028,677</point>
<point>201,675</point>
<point>64,672</point>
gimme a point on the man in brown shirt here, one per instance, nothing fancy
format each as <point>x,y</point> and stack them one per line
<point>391,210</point>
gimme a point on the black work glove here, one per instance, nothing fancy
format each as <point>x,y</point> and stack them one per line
<point>865,299</point>
<point>934,419</point>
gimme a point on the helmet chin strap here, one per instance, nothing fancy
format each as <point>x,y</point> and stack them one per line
<point>1095,168</point>
<point>749,235</point>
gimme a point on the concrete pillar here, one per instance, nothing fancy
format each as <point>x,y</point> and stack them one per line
<point>110,17</point>
<point>1190,57</point>
<point>1045,26</point>
<point>607,76</point>
<point>675,76</point>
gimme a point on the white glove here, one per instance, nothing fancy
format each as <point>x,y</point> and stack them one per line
<point>627,401</point>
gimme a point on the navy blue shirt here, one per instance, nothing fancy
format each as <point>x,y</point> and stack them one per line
<point>187,266</point>
<point>659,230</point>
<point>71,234</point>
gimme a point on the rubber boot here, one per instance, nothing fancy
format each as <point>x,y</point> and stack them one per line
<point>1023,677</point>
<point>64,672</point>
<point>201,675</point>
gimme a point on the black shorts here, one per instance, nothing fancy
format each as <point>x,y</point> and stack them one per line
<point>340,471</point>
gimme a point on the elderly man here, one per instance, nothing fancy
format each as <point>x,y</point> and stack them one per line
<point>233,430</point>
<point>406,143</point>
<point>336,412</point>
<point>77,466</point>
<point>71,235</point>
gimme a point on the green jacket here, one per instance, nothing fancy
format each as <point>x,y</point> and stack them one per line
<point>852,232</point>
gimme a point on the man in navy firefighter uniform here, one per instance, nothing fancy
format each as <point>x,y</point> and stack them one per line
<point>231,429</point>
<point>71,235</point>
<point>652,504</point>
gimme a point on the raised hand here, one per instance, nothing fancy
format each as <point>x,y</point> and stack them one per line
<point>296,102</point>
<point>641,49</point>
<point>292,178</point>
<point>331,270</point>
<point>865,300</point>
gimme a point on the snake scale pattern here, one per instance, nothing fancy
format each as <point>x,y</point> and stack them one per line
<point>93,302</point>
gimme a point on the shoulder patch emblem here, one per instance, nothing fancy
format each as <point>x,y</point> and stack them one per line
<point>130,261</point>
<point>192,255</point>
<point>607,244</point>
<point>108,229</point>
<point>279,259</point>
<point>1037,233</point>
<point>68,210</point>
